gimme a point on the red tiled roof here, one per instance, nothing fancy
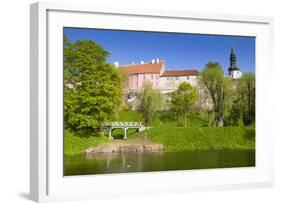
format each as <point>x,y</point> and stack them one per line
<point>180,73</point>
<point>142,68</point>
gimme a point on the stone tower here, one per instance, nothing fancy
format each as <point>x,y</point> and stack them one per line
<point>233,70</point>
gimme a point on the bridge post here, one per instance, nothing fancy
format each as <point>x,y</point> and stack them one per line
<point>110,133</point>
<point>125,133</point>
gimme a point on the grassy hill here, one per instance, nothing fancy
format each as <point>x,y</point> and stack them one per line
<point>203,138</point>
<point>197,134</point>
<point>165,130</point>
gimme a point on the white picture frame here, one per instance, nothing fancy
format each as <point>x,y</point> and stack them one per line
<point>47,182</point>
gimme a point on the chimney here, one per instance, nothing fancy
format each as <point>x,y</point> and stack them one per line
<point>141,62</point>
<point>116,64</point>
<point>157,60</point>
<point>153,61</point>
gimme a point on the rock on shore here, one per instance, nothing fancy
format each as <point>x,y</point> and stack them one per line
<point>120,146</point>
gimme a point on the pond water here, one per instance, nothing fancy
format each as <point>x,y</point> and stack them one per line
<point>160,161</point>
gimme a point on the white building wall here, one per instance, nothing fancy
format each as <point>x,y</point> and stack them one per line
<point>171,83</point>
<point>137,81</point>
<point>235,74</point>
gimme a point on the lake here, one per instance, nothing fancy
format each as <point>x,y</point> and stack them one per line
<point>159,161</point>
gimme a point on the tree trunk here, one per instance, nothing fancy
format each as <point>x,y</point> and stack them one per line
<point>219,122</point>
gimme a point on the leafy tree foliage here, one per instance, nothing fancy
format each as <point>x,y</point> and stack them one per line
<point>243,106</point>
<point>183,99</point>
<point>219,89</point>
<point>246,90</point>
<point>150,101</point>
<point>92,87</point>
<point>234,116</point>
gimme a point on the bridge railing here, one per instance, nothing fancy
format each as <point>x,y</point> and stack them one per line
<point>123,124</point>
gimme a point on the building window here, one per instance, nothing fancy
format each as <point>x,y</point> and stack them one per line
<point>144,77</point>
<point>177,78</point>
<point>188,77</point>
<point>151,76</point>
<point>167,78</point>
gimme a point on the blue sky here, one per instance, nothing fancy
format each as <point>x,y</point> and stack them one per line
<point>180,51</point>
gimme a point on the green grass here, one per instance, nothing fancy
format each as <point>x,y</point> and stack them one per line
<point>203,138</point>
<point>168,119</point>
<point>165,130</point>
<point>197,135</point>
<point>76,145</point>
<point>128,116</point>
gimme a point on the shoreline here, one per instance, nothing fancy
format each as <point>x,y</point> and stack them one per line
<point>140,145</point>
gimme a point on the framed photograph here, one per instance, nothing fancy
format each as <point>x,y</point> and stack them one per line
<point>130,102</point>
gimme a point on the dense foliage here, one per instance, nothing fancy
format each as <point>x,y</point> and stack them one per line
<point>183,99</point>
<point>92,87</point>
<point>247,91</point>
<point>220,90</point>
<point>243,105</point>
<point>149,102</point>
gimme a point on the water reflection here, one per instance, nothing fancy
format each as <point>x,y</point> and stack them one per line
<point>103,163</point>
<point>126,161</point>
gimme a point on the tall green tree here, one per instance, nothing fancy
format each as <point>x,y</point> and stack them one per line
<point>92,87</point>
<point>246,89</point>
<point>183,99</point>
<point>219,89</point>
<point>234,117</point>
<point>150,101</point>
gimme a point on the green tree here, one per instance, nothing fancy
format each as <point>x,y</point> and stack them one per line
<point>92,87</point>
<point>234,117</point>
<point>183,99</point>
<point>150,101</point>
<point>220,90</point>
<point>246,90</point>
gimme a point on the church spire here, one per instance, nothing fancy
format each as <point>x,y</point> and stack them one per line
<point>233,70</point>
<point>233,66</point>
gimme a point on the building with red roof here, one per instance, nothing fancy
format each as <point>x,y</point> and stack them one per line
<point>155,73</point>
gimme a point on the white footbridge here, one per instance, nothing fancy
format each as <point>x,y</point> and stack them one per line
<point>123,125</point>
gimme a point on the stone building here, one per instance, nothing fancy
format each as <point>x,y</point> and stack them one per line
<point>168,80</point>
<point>155,73</point>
